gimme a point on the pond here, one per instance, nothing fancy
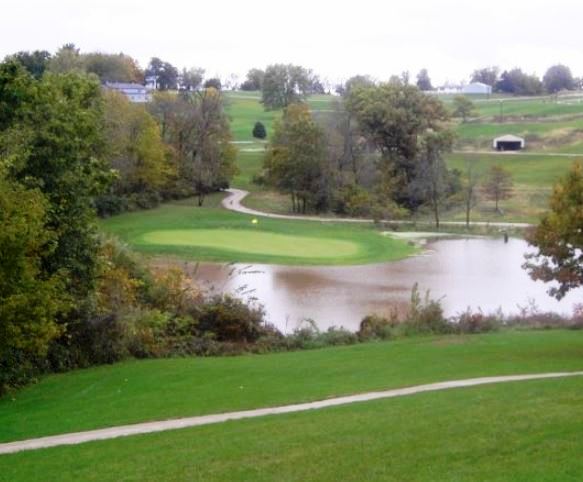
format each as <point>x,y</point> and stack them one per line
<point>481,273</point>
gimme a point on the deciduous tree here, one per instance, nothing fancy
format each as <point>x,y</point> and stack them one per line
<point>463,107</point>
<point>284,85</point>
<point>498,185</point>
<point>558,238</point>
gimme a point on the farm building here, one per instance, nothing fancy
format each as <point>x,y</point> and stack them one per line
<point>477,88</point>
<point>134,92</point>
<point>509,143</point>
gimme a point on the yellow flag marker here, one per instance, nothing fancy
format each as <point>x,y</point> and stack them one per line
<point>254,221</point>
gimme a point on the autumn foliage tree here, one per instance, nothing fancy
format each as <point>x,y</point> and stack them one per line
<point>558,238</point>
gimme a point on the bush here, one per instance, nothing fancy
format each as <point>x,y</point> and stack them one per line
<point>425,315</point>
<point>472,322</point>
<point>376,327</point>
<point>259,131</point>
<point>231,320</point>
<point>110,205</point>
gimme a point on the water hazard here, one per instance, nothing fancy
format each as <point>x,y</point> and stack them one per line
<point>481,273</point>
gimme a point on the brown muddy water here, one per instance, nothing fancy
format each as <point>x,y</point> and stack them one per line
<point>483,273</point>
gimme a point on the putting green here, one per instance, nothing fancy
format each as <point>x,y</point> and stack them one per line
<point>255,242</point>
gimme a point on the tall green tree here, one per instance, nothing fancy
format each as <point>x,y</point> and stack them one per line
<point>254,80</point>
<point>284,85</point>
<point>394,117</point>
<point>51,139</point>
<point>486,75</point>
<point>423,80</point>
<point>295,159</point>
<point>558,77</point>
<point>35,62</point>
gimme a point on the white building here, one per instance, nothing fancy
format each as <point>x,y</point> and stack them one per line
<point>134,92</point>
<point>509,143</point>
<point>477,88</point>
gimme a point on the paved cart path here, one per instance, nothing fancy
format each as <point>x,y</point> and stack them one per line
<point>236,196</point>
<point>164,425</point>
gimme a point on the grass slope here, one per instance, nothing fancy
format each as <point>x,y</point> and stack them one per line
<point>512,432</point>
<point>138,391</point>
<point>186,231</point>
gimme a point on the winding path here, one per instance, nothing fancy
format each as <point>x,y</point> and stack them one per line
<point>161,426</point>
<point>236,196</point>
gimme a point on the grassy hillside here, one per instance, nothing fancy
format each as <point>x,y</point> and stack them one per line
<point>139,391</point>
<point>518,431</point>
<point>514,432</point>
<point>551,126</point>
<point>211,234</point>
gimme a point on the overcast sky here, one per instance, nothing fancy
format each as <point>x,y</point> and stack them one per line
<point>336,39</point>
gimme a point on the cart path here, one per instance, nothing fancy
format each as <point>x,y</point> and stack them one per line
<point>164,425</point>
<point>236,196</point>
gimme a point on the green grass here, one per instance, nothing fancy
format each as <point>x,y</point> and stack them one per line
<point>244,109</point>
<point>138,391</point>
<point>211,234</point>
<point>525,431</point>
<point>253,242</point>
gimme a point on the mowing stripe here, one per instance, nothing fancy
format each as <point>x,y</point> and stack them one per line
<point>161,426</point>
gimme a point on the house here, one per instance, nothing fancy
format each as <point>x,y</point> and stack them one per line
<point>508,143</point>
<point>134,92</point>
<point>477,88</point>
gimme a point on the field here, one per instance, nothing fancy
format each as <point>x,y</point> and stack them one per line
<point>553,128</point>
<point>527,428</point>
<point>214,234</point>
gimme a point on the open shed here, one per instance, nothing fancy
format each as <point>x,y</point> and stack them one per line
<point>509,143</point>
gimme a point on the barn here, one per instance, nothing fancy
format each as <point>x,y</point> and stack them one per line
<point>509,143</point>
<point>477,88</point>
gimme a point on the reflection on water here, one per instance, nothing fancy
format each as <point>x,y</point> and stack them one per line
<point>479,273</point>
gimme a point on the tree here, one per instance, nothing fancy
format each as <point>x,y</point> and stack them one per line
<point>517,82</point>
<point>35,62</point>
<point>430,184</point>
<point>112,67</point>
<point>462,107</point>
<point>135,148</point>
<point>486,75</point>
<point>254,80</point>
<point>295,158</point>
<point>469,189</point>
<point>423,80</point>
<point>284,85</point>
<point>214,83</point>
<point>394,118</point>
<point>259,131</point>
<point>53,136</point>
<point>558,238</point>
<point>192,78</point>
<point>66,59</point>
<point>498,185</point>
<point>196,127</point>
<point>165,73</point>
<point>558,77</point>
<point>30,302</point>
<point>353,82</point>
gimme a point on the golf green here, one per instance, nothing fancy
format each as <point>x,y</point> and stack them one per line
<point>255,242</point>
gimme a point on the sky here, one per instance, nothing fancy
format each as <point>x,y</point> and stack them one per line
<point>335,39</point>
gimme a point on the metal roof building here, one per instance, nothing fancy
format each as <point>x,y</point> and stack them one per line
<point>508,143</point>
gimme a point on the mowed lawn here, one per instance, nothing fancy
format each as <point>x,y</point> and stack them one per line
<point>519,431</point>
<point>138,391</point>
<point>524,431</point>
<point>213,234</point>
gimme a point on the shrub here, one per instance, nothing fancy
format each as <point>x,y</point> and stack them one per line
<point>476,322</point>
<point>259,131</point>
<point>377,327</point>
<point>425,315</point>
<point>231,320</point>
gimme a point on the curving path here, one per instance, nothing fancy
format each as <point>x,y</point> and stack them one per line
<point>161,426</point>
<point>236,196</point>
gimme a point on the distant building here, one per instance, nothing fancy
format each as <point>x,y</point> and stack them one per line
<point>508,143</point>
<point>477,88</point>
<point>134,92</point>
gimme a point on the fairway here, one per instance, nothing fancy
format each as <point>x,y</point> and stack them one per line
<point>255,242</point>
